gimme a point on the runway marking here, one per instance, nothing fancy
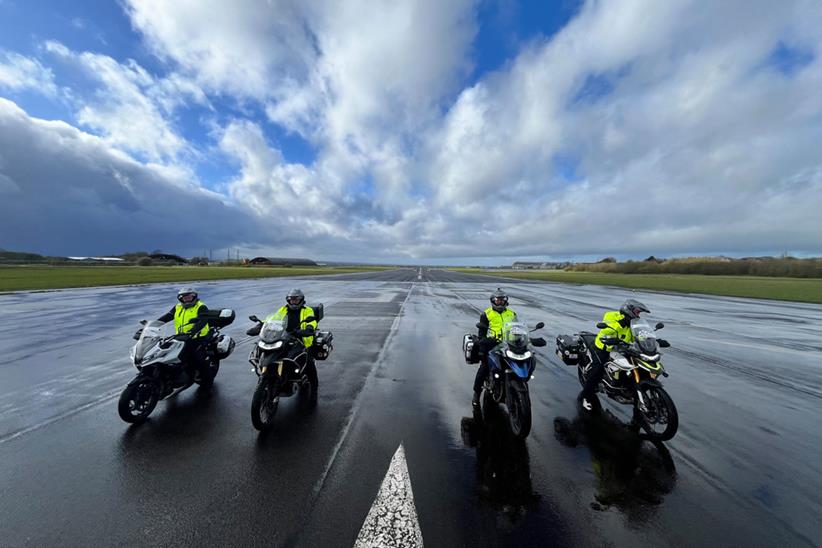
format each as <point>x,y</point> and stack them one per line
<point>392,520</point>
<point>318,486</point>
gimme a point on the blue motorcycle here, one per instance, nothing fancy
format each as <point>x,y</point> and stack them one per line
<point>511,365</point>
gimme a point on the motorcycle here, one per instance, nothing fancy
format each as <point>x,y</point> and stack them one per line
<point>161,373</point>
<point>282,364</point>
<point>511,365</point>
<point>632,375</point>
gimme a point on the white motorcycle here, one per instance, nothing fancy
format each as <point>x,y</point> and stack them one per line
<point>161,373</point>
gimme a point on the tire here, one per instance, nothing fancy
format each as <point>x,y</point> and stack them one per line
<point>138,400</point>
<point>518,403</point>
<point>661,412</point>
<point>264,405</point>
<point>308,391</point>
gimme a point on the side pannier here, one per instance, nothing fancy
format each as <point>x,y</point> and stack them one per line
<point>322,346</point>
<point>570,349</point>
<point>470,348</point>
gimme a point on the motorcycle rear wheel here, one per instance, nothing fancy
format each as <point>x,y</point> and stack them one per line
<point>264,405</point>
<point>138,400</point>
<point>661,421</point>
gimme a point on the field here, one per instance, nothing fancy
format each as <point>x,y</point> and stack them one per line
<point>19,278</point>
<point>783,289</point>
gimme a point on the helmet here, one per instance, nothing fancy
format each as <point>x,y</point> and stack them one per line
<point>499,300</point>
<point>187,297</point>
<point>631,309</point>
<point>295,299</point>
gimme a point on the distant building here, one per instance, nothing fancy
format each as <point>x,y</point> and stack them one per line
<point>90,259</point>
<point>525,265</point>
<point>168,258</point>
<point>279,261</point>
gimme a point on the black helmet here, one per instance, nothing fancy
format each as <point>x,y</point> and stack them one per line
<point>499,300</point>
<point>631,309</point>
<point>295,299</point>
<point>187,297</point>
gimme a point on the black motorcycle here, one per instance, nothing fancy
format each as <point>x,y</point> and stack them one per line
<point>284,366</point>
<point>161,373</point>
<point>632,375</point>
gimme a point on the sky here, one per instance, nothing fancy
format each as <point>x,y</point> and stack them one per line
<point>427,131</point>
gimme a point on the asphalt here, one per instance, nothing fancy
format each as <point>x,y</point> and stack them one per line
<point>744,468</point>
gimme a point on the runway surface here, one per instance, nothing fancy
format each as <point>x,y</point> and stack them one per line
<point>394,418</point>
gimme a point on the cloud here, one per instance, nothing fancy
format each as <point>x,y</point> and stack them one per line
<point>131,108</point>
<point>18,72</point>
<point>638,128</point>
<point>64,191</point>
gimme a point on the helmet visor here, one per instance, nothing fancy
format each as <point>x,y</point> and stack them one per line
<point>499,301</point>
<point>294,300</point>
<point>187,297</point>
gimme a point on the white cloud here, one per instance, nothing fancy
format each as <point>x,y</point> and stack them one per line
<point>130,107</point>
<point>18,72</point>
<point>639,128</point>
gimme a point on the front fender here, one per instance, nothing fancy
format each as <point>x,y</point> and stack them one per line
<point>650,382</point>
<point>147,372</point>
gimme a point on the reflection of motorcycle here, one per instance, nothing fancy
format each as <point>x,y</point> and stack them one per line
<point>632,474</point>
<point>632,375</point>
<point>161,373</point>
<point>503,462</point>
<point>284,365</point>
<point>510,366</point>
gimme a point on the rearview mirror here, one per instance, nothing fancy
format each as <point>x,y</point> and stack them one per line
<point>539,325</point>
<point>254,318</point>
<point>602,325</point>
<point>143,322</point>
<point>659,326</point>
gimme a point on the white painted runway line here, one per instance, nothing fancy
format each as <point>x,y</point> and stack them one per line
<point>392,520</point>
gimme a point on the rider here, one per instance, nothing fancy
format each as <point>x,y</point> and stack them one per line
<point>490,334</point>
<point>619,326</point>
<point>295,312</point>
<point>189,307</point>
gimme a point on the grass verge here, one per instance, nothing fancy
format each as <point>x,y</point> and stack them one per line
<point>807,290</point>
<point>19,278</point>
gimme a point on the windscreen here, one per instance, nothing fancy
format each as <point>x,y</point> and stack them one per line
<point>516,335</point>
<point>152,333</point>
<point>644,336</point>
<point>273,329</point>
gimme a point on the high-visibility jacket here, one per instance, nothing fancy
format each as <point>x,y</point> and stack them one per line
<point>496,321</point>
<point>305,312</point>
<point>614,329</point>
<point>183,315</point>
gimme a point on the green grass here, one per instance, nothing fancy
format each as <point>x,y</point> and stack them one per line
<point>18,278</point>
<point>759,287</point>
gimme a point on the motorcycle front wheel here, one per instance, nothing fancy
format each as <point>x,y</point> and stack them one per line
<point>519,409</point>
<point>264,405</point>
<point>660,420</point>
<point>138,400</point>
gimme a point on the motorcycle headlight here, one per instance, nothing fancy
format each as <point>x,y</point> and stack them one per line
<point>270,346</point>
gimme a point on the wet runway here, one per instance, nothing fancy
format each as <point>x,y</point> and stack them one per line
<point>745,468</point>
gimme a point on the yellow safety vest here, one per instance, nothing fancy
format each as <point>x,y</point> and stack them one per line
<point>497,320</point>
<point>305,312</point>
<point>182,316</point>
<point>614,329</point>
